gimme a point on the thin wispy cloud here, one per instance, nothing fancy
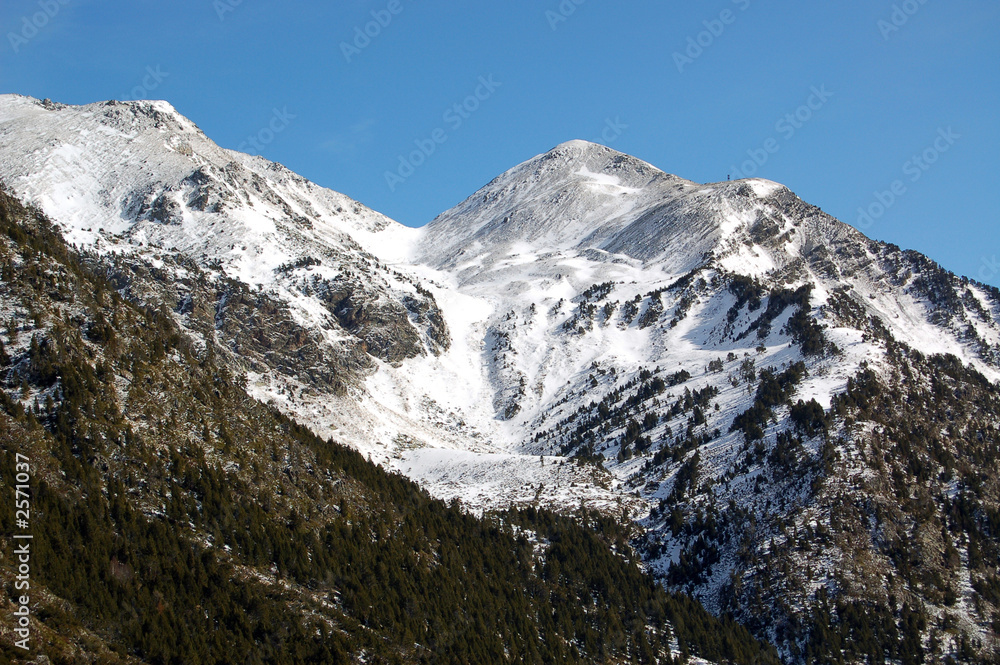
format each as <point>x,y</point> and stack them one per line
<point>346,143</point>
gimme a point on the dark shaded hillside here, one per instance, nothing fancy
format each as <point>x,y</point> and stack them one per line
<point>881,534</point>
<point>176,520</point>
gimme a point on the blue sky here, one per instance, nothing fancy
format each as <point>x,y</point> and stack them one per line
<point>886,106</point>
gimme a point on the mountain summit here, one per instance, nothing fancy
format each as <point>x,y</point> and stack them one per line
<point>581,195</point>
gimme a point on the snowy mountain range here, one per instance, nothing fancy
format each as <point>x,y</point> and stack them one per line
<point>727,366</point>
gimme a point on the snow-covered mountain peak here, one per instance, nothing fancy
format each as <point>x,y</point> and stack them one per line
<point>130,117</point>
<point>143,173</point>
<point>581,197</point>
<point>594,157</point>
